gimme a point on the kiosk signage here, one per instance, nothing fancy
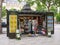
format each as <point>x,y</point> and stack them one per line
<point>49,24</point>
<point>12,23</point>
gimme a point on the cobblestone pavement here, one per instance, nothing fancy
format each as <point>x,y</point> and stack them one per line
<point>40,40</point>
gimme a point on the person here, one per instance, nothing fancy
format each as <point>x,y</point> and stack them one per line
<point>43,31</point>
<point>30,27</point>
<point>34,26</point>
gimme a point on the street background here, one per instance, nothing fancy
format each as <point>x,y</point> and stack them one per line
<point>40,40</point>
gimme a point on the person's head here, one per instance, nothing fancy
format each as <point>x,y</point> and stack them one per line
<point>30,20</point>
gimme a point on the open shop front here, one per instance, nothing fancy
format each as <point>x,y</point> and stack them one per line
<point>29,22</point>
<point>32,24</point>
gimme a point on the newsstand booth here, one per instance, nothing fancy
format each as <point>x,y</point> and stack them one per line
<point>28,21</point>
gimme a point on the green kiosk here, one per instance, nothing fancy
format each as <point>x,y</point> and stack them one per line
<point>18,22</point>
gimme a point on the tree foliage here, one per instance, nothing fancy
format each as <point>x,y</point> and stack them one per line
<point>4,11</point>
<point>43,4</point>
<point>58,17</point>
<point>39,6</point>
<point>49,3</point>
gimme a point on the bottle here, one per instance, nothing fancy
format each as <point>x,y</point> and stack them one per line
<point>18,36</point>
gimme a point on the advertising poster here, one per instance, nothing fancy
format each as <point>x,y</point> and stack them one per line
<point>12,23</point>
<point>50,17</point>
<point>49,23</point>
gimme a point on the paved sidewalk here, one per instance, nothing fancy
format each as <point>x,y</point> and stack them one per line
<point>40,40</point>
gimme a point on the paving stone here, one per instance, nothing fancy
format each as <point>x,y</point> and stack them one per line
<point>40,40</point>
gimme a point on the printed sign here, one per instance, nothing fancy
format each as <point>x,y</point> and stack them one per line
<point>49,23</point>
<point>12,23</point>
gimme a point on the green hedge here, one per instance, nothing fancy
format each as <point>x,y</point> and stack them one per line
<point>58,17</point>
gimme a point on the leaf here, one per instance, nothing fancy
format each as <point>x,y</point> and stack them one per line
<point>19,0</point>
<point>4,11</point>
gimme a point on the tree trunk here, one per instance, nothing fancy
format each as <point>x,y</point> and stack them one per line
<point>48,7</point>
<point>0,16</point>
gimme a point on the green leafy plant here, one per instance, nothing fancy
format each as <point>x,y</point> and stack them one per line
<point>45,4</point>
<point>58,17</point>
<point>4,11</point>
